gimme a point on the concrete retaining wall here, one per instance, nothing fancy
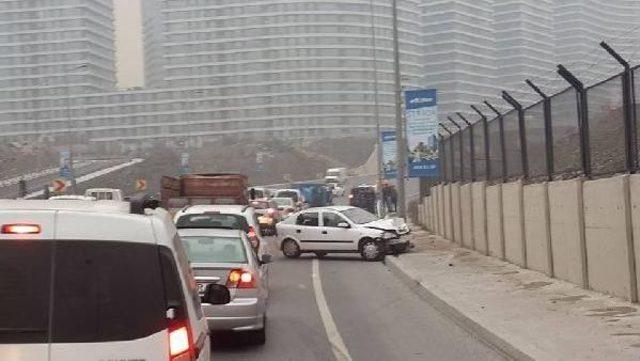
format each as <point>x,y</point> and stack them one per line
<point>585,232</point>
<point>634,190</point>
<point>565,213</point>
<point>513,223</point>
<point>466,212</point>
<point>448,212</point>
<point>478,198</point>
<point>536,228</point>
<point>607,236</point>
<point>494,221</point>
<point>457,217</point>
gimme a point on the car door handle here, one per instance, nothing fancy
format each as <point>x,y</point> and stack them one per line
<point>298,231</point>
<point>324,232</point>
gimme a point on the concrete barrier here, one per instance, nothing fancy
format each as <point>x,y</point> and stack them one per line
<point>448,213</point>
<point>634,190</point>
<point>495,233</point>
<point>536,228</point>
<point>607,237</point>
<point>513,223</point>
<point>455,213</point>
<point>466,215</point>
<point>478,196</point>
<point>441,210</point>
<point>567,236</point>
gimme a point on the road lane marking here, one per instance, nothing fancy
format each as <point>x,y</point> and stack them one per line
<point>337,344</point>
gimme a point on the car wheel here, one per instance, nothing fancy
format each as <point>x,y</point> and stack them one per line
<point>259,337</point>
<point>320,254</point>
<point>371,250</point>
<point>290,248</point>
<point>400,248</point>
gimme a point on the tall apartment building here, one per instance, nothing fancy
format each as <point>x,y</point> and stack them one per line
<point>152,41</point>
<point>579,25</point>
<point>524,44</point>
<point>307,61</point>
<point>49,47</point>
<point>459,52</point>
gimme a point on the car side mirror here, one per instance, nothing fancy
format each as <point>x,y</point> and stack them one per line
<point>216,294</point>
<point>344,225</point>
<point>266,258</point>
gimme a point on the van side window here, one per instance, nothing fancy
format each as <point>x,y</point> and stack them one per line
<point>172,288</point>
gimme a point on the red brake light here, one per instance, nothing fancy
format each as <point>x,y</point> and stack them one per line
<point>239,278</point>
<point>178,342</point>
<point>271,211</point>
<point>20,229</point>
<point>252,232</point>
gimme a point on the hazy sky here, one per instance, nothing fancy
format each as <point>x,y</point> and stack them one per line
<point>129,55</point>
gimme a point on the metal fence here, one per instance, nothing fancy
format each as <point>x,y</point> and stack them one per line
<point>579,131</point>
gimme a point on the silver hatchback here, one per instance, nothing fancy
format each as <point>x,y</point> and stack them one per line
<point>226,257</point>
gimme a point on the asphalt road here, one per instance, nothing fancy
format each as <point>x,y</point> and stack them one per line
<point>378,318</point>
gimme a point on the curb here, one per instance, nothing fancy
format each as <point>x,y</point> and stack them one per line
<point>482,333</point>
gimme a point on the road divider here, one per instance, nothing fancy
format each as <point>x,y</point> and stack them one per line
<point>90,176</point>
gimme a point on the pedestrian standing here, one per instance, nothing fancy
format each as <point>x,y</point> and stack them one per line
<point>394,198</point>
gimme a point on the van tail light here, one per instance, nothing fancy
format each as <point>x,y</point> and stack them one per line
<point>20,229</point>
<point>240,278</point>
<point>180,345</point>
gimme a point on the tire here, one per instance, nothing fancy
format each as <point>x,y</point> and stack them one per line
<point>320,254</point>
<point>259,337</point>
<point>371,250</point>
<point>400,248</point>
<point>290,248</point>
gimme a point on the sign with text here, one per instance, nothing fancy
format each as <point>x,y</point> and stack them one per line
<point>421,114</point>
<point>389,154</point>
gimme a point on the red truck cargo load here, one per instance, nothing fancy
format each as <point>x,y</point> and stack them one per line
<point>192,189</point>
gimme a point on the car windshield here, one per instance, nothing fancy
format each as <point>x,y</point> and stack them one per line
<point>359,215</point>
<point>213,220</point>
<point>283,202</point>
<point>288,194</point>
<point>214,249</point>
<point>260,204</point>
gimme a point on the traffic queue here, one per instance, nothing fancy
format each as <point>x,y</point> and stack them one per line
<point>194,261</point>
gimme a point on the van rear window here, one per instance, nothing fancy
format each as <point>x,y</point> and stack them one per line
<point>101,291</point>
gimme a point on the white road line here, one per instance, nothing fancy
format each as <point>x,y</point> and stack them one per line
<point>337,344</point>
<point>90,176</point>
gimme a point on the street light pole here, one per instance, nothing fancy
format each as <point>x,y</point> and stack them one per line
<point>70,125</point>
<point>376,100</point>
<point>400,141</point>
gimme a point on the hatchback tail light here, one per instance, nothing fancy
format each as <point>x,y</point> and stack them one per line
<point>240,278</point>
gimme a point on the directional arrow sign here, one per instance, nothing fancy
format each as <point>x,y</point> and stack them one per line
<point>141,185</point>
<point>59,185</point>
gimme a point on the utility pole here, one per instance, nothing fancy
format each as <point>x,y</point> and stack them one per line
<point>376,101</point>
<point>400,141</point>
<point>70,126</point>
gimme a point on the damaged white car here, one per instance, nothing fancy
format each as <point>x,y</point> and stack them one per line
<point>342,229</point>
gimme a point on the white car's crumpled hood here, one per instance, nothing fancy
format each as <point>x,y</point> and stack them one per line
<point>397,225</point>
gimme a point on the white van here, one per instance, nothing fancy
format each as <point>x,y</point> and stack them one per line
<point>339,174</point>
<point>89,281</point>
<point>107,194</point>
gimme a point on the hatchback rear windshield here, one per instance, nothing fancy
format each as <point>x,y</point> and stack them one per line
<point>81,291</point>
<point>213,220</point>
<point>205,249</point>
<point>288,194</point>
